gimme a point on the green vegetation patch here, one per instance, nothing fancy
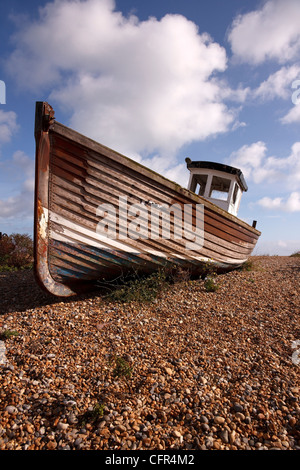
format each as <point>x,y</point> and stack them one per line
<point>7,334</point>
<point>122,368</point>
<point>140,288</point>
<point>211,284</point>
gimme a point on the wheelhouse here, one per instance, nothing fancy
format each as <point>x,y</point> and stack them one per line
<point>221,184</point>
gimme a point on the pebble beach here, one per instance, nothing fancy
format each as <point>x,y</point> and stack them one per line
<point>189,370</point>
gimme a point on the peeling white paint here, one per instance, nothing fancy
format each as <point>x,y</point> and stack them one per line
<point>43,223</point>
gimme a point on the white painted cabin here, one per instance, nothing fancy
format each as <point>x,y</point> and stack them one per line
<point>221,184</point>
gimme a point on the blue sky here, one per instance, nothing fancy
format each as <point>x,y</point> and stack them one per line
<point>159,81</point>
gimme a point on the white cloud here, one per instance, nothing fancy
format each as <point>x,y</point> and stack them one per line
<point>26,165</point>
<point>178,173</point>
<point>239,94</point>
<point>20,203</point>
<point>271,32</point>
<point>8,125</point>
<point>286,169</point>
<point>290,204</point>
<point>141,87</point>
<point>257,166</point>
<point>292,116</point>
<point>278,84</point>
<point>261,168</point>
<point>249,158</point>
<point>282,84</point>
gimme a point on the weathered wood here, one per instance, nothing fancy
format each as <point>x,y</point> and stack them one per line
<point>76,175</point>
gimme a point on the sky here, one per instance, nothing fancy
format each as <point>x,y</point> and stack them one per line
<point>158,82</point>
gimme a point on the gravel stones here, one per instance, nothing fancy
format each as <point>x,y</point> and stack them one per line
<point>238,407</point>
<point>11,409</point>
<point>196,370</point>
<point>219,420</point>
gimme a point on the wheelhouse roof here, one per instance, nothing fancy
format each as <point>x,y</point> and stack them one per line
<point>219,167</point>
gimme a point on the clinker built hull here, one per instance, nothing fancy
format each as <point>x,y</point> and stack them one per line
<point>75,176</point>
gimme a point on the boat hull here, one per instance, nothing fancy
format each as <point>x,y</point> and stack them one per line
<point>79,182</point>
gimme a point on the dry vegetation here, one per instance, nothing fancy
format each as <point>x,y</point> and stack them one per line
<point>16,252</point>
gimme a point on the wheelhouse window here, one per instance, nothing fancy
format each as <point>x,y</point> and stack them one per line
<point>199,184</point>
<point>219,188</point>
<point>235,193</point>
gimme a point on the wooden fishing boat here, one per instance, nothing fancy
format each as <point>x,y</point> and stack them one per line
<point>92,208</point>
